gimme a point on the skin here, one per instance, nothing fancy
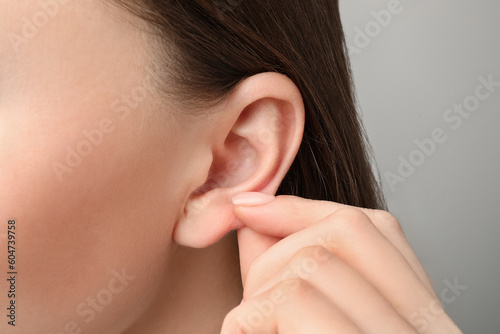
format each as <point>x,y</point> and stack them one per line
<point>116,210</point>
<point>134,235</point>
<point>336,279</point>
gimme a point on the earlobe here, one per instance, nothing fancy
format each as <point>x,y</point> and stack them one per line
<point>255,138</point>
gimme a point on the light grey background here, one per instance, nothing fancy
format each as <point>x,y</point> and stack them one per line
<point>426,59</point>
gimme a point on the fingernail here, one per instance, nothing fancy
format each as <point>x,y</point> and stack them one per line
<point>252,199</point>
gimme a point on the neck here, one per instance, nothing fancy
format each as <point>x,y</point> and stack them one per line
<point>199,288</point>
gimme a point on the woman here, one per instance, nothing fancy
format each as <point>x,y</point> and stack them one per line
<point>141,145</point>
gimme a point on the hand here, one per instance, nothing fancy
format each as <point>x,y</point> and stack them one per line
<point>322,267</point>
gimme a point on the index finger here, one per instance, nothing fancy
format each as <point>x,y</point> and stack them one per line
<point>281,216</point>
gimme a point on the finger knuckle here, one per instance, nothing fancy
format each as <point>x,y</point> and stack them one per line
<point>308,253</point>
<point>245,319</point>
<point>307,261</point>
<point>297,293</point>
<point>295,288</point>
<point>233,321</point>
<point>352,220</point>
<point>388,222</point>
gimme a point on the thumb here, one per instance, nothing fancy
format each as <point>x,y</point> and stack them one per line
<point>267,219</point>
<point>251,244</point>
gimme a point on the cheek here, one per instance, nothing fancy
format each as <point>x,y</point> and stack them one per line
<point>94,203</point>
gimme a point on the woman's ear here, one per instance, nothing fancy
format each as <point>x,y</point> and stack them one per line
<point>255,136</point>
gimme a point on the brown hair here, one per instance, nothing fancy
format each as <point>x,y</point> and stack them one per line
<point>208,46</point>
